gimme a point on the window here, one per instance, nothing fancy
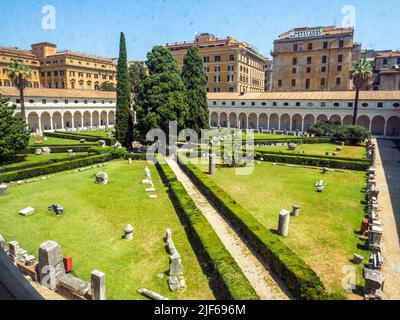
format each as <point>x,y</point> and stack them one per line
<point>295,47</point>
<point>325,45</point>
<point>253,103</point>
<point>398,60</point>
<point>233,103</point>
<point>298,104</point>
<point>31,101</point>
<point>309,60</point>
<point>279,83</point>
<point>380,104</point>
<point>88,75</point>
<point>224,103</point>
<point>323,82</point>
<point>294,61</point>
<point>263,104</point>
<point>310,46</point>
<point>293,82</point>
<point>230,67</point>
<point>230,89</point>
<point>340,58</point>
<point>49,74</point>
<point>217,68</point>
<point>44,101</point>
<point>230,77</point>
<point>232,57</point>
<point>206,69</point>
<point>339,68</point>
<point>308,70</point>
<point>217,79</point>
<point>396,105</point>
<point>243,103</point>
<point>385,62</point>
<point>286,104</point>
<point>85,101</point>
<point>206,59</point>
<point>76,101</point>
<point>324,59</point>
<point>310,104</point>
<point>323,104</point>
<point>336,104</point>
<point>294,70</point>
<point>80,74</point>
<point>217,58</point>
<point>323,69</point>
<point>338,81</point>
<point>55,101</point>
<point>66,101</point>
<point>365,105</point>
<point>350,104</point>
<point>308,82</point>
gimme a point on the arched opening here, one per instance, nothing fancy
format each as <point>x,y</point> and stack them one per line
<point>45,120</point>
<point>95,118</point>
<point>263,121</point>
<point>309,120</point>
<point>57,120</point>
<point>252,121</point>
<point>223,120</point>
<point>214,119</point>
<point>103,118</point>
<point>297,122</point>
<point>393,126</point>
<point>233,120</point>
<point>68,120</point>
<point>33,121</point>
<point>322,118</point>
<point>378,126</point>
<point>111,118</point>
<point>86,119</point>
<point>77,119</point>
<point>348,120</point>
<point>336,119</point>
<point>285,122</point>
<point>72,84</point>
<point>243,121</point>
<point>274,121</point>
<point>363,121</point>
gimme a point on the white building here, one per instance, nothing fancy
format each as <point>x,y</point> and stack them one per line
<point>379,111</point>
<point>59,109</point>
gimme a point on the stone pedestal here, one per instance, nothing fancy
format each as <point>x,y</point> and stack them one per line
<point>13,248</point>
<point>176,267</point>
<point>51,264</point>
<point>128,232</point>
<point>211,164</point>
<point>296,210</point>
<point>3,189</point>
<point>130,160</point>
<point>98,284</point>
<point>374,281</point>
<point>283,226</point>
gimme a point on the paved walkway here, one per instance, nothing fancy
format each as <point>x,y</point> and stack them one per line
<point>388,182</point>
<point>258,275</point>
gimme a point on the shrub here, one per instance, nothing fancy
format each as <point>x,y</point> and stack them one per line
<point>79,136</point>
<point>353,135</point>
<point>222,269</point>
<point>300,279</point>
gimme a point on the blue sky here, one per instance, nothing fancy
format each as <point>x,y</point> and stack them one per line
<point>93,26</point>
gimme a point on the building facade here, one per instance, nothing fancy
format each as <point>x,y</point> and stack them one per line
<point>268,75</point>
<point>386,67</point>
<point>231,66</point>
<point>59,70</point>
<point>379,111</point>
<point>314,59</point>
<point>60,109</point>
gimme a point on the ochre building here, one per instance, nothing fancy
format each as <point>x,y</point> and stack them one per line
<point>231,66</point>
<point>58,70</point>
<point>314,59</point>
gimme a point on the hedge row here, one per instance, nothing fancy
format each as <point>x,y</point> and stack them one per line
<point>316,161</point>
<point>79,136</point>
<point>61,148</point>
<point>53,168</point>
<point>298,140</point>
<point>227,278</point>
<point>299,278</point>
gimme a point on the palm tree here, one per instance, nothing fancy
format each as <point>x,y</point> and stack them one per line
<point>361,75</point>
<point>19,73</point>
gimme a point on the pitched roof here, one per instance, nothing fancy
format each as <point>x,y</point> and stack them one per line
<point>58,93</point>
<point>393,54</point>
<point>314,95</point>
<point>18,52</point>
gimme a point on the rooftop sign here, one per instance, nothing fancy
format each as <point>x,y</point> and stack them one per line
<point>306,34</point>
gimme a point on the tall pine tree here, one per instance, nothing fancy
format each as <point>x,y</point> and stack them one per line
<point>195,81</point>
<point>163,97</point>
<point>123,119</point>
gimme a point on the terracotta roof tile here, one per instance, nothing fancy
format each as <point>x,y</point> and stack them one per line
<point>58,93</point>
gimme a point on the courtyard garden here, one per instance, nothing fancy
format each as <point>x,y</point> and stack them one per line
<point>92,227</point>
<point>325,234</point>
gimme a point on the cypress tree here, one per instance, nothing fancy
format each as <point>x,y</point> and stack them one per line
<point>195,81</point>
<point>162,98</point>
<point>123,119</point>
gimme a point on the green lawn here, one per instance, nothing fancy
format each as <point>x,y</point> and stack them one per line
<point>53,141</point>
<point>266,136</point>
<point>30,159</point>
<point>319,150</point>
<point>93,224</point>
<point>101,133</point>
<point>324,234</point>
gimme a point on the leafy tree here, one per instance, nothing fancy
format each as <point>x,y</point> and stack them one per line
<point>19,73</point>
<point>324,128</point>
<point>194,78</point>
<point>138,73</point>
<point>163,98</point>
<point>361,74</point>
<point>123,119</point>
<point>353,135</point>
<point>14,133</point>
<point>107,86</point>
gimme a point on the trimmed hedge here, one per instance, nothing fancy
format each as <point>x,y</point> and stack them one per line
<point>302,140</point>
<point>79,136</point>
<point>229,280</point>
<point>299,278</point>
<point>53,168</point>
<point>317,161</point>
<point>61,148</point>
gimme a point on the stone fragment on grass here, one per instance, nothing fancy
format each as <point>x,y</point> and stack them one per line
<point>27,211</point>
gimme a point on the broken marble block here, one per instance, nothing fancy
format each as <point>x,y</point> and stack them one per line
<point>102,178</point>
<point>27,211</point>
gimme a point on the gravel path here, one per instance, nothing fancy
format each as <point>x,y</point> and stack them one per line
<point>258,275</point>
<point>388,182</point>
